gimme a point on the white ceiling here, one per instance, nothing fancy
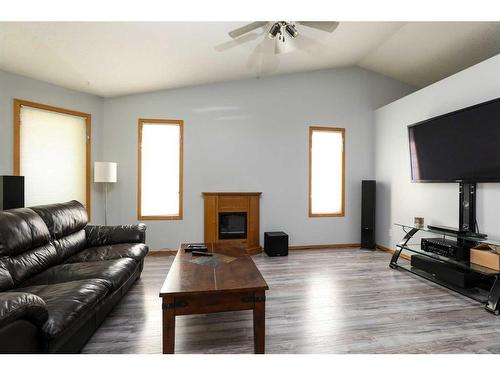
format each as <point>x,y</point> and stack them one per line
<point>110,59</point>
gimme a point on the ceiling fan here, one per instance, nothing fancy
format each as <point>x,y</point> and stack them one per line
<point>282,30</point>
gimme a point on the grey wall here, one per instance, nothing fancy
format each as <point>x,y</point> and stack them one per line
<point>399,200</point>
<point>15,86</point>
<point>252,135</point>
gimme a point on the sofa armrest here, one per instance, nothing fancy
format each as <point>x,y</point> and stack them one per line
<point>100,235</point>
<point>27,306</point>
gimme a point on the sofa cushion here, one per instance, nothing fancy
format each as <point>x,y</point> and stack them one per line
<point>116,271</point>
<point>21,229</point>
<point>63,219</point>
<point>23,266</point>
<point>100,235</point>
<point>25,247</point>
<point>69,245</point>
<point>6,281</point>
<point>135,251</point>
<point>67,302</point>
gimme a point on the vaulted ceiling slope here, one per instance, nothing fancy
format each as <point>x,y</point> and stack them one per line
<point>111,59</point>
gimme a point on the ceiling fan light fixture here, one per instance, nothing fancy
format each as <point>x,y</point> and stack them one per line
<point>274,30</point>
<point>291,30</point>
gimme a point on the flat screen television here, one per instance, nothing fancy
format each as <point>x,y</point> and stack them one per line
<point>461,146</point>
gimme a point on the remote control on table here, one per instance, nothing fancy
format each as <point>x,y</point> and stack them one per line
<point>194,252</point>
<point>190,248</point>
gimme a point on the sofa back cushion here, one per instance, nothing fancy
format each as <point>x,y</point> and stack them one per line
<point>6,281</point>
<point>71,244</point>
<point>21,229</point>
<point>23,266</point>
<point>25,247</point>
<point>63,219</point>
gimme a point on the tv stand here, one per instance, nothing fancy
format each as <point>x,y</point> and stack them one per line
<point>490,299</point>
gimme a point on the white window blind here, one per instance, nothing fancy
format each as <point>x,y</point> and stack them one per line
<point>53,156</point>
<point>326,172</point>
<point>160,170</point>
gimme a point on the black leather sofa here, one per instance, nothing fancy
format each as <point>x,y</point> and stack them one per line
<point>60,277</point>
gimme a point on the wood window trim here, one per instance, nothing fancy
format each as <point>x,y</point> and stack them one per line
<point>327,129</point>
<point>141,123</point>
<point>18,104</point>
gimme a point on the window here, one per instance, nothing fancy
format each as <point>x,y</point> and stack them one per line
<point>160,169</point>
<point>52,152</point>
<point>326,171</point>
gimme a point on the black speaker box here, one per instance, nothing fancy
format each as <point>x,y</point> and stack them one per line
<point>11,192</point>
<point>368,197</point>
<point>276,244</point>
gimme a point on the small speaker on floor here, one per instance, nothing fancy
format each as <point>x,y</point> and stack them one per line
<point>11,192</point>
<point>368,197</point>
<point>276,244</point>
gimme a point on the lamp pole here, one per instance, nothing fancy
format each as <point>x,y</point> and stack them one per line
<point>105,203</point>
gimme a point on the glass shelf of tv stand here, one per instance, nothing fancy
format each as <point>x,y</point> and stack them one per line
<point>487,241</point>
<point>461,264</point>
<point>415,248</point>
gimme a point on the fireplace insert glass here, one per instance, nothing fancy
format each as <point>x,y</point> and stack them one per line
<point>232,225</point>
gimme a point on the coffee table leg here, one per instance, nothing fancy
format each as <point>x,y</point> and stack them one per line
<point>168,325</point>
<point>259,322</point>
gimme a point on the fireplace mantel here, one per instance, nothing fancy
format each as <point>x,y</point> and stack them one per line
<point>217,203</point>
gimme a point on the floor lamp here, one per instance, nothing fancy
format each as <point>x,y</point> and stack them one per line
<point>105,172</point>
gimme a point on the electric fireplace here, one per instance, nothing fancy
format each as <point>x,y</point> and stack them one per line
<point>232,225</point>
<point>232,218</point>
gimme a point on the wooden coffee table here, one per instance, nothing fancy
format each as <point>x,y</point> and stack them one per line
<point>200,289</point>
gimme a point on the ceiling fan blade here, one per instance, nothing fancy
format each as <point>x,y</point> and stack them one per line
<point>236,42</point>
<point>247,28</point>
<point>328,26</point>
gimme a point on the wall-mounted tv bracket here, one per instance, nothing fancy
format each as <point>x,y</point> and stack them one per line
<point>467,206</point>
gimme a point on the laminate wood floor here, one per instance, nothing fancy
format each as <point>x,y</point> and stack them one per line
<point>320,301</point>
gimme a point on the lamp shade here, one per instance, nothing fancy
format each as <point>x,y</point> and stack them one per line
<point>104,171</point>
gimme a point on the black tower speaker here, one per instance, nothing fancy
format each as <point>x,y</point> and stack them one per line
<point>11,192</point>
<point>368,191</point>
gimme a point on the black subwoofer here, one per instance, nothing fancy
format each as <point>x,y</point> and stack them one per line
<point>368,197</point>
<point>276,244</point>
<point>11,192</point>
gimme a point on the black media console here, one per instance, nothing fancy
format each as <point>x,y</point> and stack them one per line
<point>450,270</point>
